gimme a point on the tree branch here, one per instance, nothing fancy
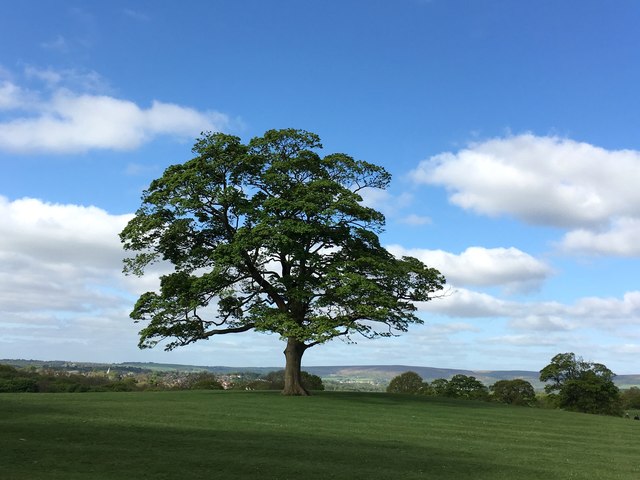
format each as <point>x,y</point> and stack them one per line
<point>224,331</point>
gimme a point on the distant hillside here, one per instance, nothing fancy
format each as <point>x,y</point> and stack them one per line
<point>382,374</point>
<point>375,375</point>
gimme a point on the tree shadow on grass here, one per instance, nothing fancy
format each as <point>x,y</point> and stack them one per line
<point>78,450</point>
<point>395,399</point>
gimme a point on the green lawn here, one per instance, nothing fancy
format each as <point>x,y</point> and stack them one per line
<point>237,435</point>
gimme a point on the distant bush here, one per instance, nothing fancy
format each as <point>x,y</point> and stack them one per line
<point>463,386</point>
<point>13,380</point>
<point>459,386</point>
<point>275,381</point>
<point>408,382</point>
<point>630,398</point>
<point>201,381</point>
<point>439,387</point>
<point>16,385</point>
<point>513,392</point>
<point>127,384</point>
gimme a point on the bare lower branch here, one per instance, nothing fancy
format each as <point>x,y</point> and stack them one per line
<point>224,331</point>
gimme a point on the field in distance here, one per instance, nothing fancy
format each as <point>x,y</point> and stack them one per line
<point>339,435</point>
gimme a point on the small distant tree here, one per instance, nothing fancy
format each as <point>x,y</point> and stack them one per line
<point>463,386</point>
<point>513,392</point>
<point>407,382</point>
<point>581,386</point>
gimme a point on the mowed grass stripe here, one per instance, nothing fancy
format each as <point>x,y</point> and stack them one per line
<point>330,435</point>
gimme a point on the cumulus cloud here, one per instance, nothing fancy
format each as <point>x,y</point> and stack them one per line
<point>509,268</point>
<point>67,119</point>
<point>61,284</point>
<point>465,303</point>
<point>61,288</point>
<point>622,239</point>
<point>548,181</point>
<point>600,313</point>
<point>61,234</point>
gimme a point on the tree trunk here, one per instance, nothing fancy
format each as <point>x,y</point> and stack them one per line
<point>292,370</point>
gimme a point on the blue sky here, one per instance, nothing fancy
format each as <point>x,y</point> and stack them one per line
<point>511,130</point>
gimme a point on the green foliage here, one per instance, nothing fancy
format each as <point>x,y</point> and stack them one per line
<point>12,385</point>
<point>463,386</point>
<point>272,237</point>
<point>459,386</point>
<point>7,371</point>
<point>581,386</point>
<point>513,392</point>
<point>13,380</point>
<point>631,398</point>
<point>275,381</point>
<point>249,435</point>
<point>202,381</point>
<point>407,382</point>
<point>439,387</point>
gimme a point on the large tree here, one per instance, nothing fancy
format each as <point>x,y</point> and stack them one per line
<point>270,236</point>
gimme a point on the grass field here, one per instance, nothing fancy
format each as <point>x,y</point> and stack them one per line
<point>262,435</point>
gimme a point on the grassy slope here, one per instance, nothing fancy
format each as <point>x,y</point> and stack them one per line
<point>239,435</point>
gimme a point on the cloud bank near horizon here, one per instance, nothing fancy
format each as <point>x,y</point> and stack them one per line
<point>63,285</point>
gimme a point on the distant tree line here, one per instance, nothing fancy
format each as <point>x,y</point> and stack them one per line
<point>572,384</point>
<point>515,392</point>
<point>275,381</point>
<point>56,381</point>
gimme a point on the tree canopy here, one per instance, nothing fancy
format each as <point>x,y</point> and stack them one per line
<point>581,386</point>
<point>407,382</point>
<point>463,386</point>
<point>270,236</point>
<point>513,392</point>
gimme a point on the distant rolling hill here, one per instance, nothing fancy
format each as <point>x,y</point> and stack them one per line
<point>355,374</point>
<point>384,373</point>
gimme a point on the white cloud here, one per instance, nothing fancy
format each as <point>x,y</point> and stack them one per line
<point>464,303</point>
<point>61,234</point>
<point>622,239</point>
<point>58,258</point>
<point>70,78</point>
<point>509,268</point>
<point>548,181</point>
<point>68,119</point>
<point>523,340</point>
<point>59,44</point>
<point>415,220</point>
<point>62,295</point>
<point>620,315</point>
<point>542,323</point>
<point>12,96</point>
<point>384,201</point>
<point>62,292</point>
